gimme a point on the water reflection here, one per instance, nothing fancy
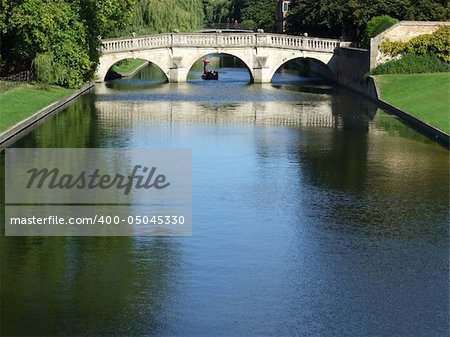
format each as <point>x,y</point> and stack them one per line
<point>260,113</point>
<point>98,282</point>
<point>314,214</point>
<point>355,169</point>
<point>237,103</point>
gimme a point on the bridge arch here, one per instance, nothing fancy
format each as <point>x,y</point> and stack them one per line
<point>320,60</point>
<point>150,62</point>
<point>106,63</point>
<point>244,59</point>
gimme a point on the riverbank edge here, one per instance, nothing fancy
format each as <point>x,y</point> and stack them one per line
<point>7,136</point>
<point>368,88</point>
<point>136,70</point>
<point>429,130</point>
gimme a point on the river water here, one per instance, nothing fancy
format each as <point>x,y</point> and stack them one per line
<point>314,214</point>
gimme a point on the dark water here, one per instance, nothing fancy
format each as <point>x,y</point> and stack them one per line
<point>314,214</point>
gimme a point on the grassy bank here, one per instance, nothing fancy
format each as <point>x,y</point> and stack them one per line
<point>424,96</point>
<point>23,101</point>
<point>128,66</point>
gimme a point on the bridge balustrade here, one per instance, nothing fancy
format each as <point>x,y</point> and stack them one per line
<point>220,41</point>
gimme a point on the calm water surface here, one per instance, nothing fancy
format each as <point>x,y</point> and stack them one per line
<point>314,214</point>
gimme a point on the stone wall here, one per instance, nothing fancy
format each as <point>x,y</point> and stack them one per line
<point>351,66</point>
<point>402,31</point>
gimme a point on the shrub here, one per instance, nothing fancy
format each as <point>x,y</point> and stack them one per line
<point>376,25</point>
<point>64,66</point>
<point>413,64</point>
<point>393,48</point>
<point>47,70</point>
<point>437,43</point>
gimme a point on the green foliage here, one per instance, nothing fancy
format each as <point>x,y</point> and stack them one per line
<point>437,43</point>
<point>58,34</point>
<point>377,25</point>
<point>393,48</point>
<point>5,8</point>
<point>350,17</point>
<point>249,24</point>
<point>217,11</point>
<point>47,70</point>
<point>222,11</point>
<point>413,64</point>
<point>162,16</point>
<point>103,18</point>
<point>262,12</point>
<point>52,26</point>
<point>251,14</point>
<point>108,15</point>
<point>41,24</point>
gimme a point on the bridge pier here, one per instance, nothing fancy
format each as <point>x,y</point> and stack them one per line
<point>178,75</point>
<point>177,72</point>
<point>262,75</point>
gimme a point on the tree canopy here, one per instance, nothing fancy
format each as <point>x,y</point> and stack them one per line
<point>218,11</point>
<point>160,16</point>
<point>375,26</point>
<point>349,18</point>
<point>260,14</point>
<point>252,14</point>
<point>60,37</point>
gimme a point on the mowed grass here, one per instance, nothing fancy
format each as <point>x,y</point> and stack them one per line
<point>127,66</point>
<point>425,96</point>
<point>23,101</point>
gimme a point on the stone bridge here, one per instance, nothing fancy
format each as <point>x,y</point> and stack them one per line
<point>175,54</point>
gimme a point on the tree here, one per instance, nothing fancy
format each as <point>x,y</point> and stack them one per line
<point>260,14</point>
<point>153,16</point>
<point>40,26</point>
<point>321,17</point>
<point>349,18</point>
<point>60,36</point>
<point>103,18</point>
<point>376,25</point>
<point>218,11</point>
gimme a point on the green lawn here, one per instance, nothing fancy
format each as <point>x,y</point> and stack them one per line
<point>425,96</point>
<point>127,66</point>
<point>23,101</point>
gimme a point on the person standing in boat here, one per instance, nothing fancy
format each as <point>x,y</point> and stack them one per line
<point>205,62</point>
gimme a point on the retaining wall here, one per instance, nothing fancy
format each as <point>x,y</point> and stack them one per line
<point>352,66</point>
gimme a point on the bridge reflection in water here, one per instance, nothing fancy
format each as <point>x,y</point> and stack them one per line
<point>314,114</point>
